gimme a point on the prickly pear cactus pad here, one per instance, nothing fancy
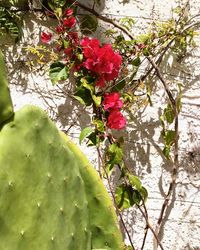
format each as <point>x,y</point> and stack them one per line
<point>51,198</point>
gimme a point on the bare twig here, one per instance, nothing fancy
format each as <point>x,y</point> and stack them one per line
<point>150,227</point>
<point>175,162</point>
<point>145,236</point>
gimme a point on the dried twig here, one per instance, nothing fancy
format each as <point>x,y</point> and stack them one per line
<point>175,162</point>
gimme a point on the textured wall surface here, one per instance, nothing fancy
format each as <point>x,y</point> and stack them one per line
<point>143,144</point>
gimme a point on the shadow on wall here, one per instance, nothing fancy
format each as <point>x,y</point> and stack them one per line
<point>143,143</point>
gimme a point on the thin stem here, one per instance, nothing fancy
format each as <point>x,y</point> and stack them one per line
<point>115,203</point>
<point>150,227</point>
<point>175,159</point>
<point>100,160</point>
<point>145,236</point>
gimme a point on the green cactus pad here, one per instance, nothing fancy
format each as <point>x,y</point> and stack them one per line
<point>51,197</point>
<point>6,108</point>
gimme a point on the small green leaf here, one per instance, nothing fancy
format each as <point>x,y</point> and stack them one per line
<point>166,152</point>
<point>89,24</point>
<point>109,168</point>
<point>97,100</point>
<point>119,86</point>
<point>146,52</point>
<point>99,125</point>
<point>78,98</point>
<point>86,85</point>
<point>136,197</point>
<point>177,10</point>
<point>169,137</point>
<point>135,182</point>
<point>136,62</point>
<point>124,196</point>
<point>85,133</point>
<point>80,57</point>
<point>169,114</point>
<point>58,72</point>
<point>115,154</point>
<point>93,139</point>
<point>83,95</point>
<point>144,193</point>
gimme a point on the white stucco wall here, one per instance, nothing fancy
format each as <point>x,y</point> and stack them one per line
<point>143,154</point>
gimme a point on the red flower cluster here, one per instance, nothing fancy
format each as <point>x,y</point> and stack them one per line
<point>68,21</point>
<point>46,37</point>
<point>102,61</point>
<point>116,120</point>
<point>112,103</point>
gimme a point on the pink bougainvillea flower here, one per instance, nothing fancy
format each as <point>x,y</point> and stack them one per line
<point>103,61</point>
<point>46,37</point>
<point>68,52</point>
<point>112,101</point>
<point>116,120</point>
<point>68,12</point>
<point>60,29</point>
<point>69,22</point>
<point>90,48</point>
<point>100,82</point>
<point>73,36</point>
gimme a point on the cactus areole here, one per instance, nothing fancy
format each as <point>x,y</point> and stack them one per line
<point>51,197</point>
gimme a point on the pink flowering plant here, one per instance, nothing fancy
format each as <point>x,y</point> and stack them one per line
<point>96,68</point>
<point>100,71</point>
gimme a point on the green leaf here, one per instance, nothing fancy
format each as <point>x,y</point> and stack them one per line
<point>169,114</point>
<point>136,62</point>
<point>99,125</point>
<point>89,24</point>
<point>119,86</point>
<point>93,139</point>
<point>146,52</point>
<point>135,182</point>
<point>84,133</point>
<point>127,22</point>
<point>90,87</point>
<point>108,169</point>
<point>115,154</point>
<point>177,10</point>
<point>136,197</point>
<point>144,193</point>
<point>58,72</point>
<point>78,98</point>
<point>9,25</point>
<point>86,85</point>
<point>97,100</point>
<point>169,137</point>
<point>83,95</point>
<point>124,196</point>
<point>166,152</point>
